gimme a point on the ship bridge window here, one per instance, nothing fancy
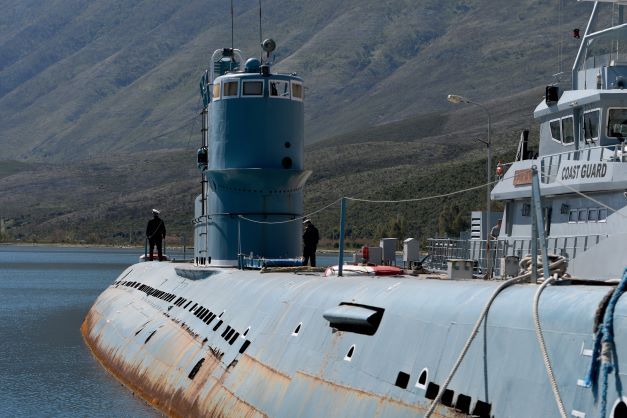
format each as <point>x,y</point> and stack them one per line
<point>297,90</point>
<point>568,131</point>
<point>556,130</point>
<point>602,215</point>
<point>591,125</point>
<point>572,216</point>
<point>280,89</point>
<point>617,123</point>
<point>593,215</point>
<point>216,91</point>
<point>230,89</point>
<point>252,88</point>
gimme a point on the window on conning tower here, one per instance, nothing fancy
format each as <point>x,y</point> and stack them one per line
<point>216,91</point>
<point>252,88</point>
<point>280,89</point>
<point>297,90</point>
<point>230,88</point>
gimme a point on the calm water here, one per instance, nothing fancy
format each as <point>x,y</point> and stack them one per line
<point>45,368</point>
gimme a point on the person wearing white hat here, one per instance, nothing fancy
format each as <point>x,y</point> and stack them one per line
<point>155,233</point>
<point>310,243</point>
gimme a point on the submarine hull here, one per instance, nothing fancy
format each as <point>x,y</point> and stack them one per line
<point>234,343</point>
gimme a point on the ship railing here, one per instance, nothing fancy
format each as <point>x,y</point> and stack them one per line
<point>550,164</point>
<point>569,246</point>
<point>441,250</point>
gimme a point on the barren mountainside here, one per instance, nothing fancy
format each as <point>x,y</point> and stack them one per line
<point>84,78</point>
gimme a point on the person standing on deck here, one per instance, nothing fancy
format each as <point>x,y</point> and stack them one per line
<point>155,233</point>
<point>310,242</point>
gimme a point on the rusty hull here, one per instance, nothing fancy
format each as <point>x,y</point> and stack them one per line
<point>244,344</point>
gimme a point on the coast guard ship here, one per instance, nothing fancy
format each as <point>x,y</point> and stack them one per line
<point>229,335</point>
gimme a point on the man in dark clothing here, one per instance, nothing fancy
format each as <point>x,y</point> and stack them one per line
<point>155,232</point>
<point>310,242</point>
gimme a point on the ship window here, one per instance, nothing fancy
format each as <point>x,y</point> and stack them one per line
<point>297,90</point>
<point>572,216</point>
<point>591,125</point>
<point>230,89</point>
<point>216,96</point>
<point>583,215</point>
<point>252,88</point>
<point>556,131</point>
<point>568,132</point>
<point>297,330</point>
<point>617,123</point>
<point>280,88</point>
<point>602,215</point>
<point>349,355</point>
<point>620,409</point>
<point>593,215</point>
<point>525,209</point>
<point>421,383</point>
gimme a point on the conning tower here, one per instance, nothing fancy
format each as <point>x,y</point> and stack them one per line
<point>252,162</point>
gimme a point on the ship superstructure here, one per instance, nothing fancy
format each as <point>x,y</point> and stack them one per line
<point>222,337</point>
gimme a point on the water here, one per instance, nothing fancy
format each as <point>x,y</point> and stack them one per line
<point>45,367</point>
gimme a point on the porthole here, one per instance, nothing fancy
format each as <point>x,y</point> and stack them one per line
<point>297,329</point>
<point>349,355</point>
<point>287,144</point>
<point>619,410</point>
<point>286,163</point>
<point>421,383</point>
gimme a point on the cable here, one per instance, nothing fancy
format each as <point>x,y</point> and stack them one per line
<point>545,355</point>
<point>290,220</point>
<point>425,198</point>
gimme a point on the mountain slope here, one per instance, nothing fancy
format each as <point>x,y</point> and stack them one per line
<point>82,79</point>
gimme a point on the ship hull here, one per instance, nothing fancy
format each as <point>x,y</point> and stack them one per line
<point>270,351</point>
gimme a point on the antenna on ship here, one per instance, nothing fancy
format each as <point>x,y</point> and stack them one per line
<point>232,36</point>
<point>260,33</point>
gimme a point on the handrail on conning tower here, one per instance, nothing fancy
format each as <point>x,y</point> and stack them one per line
<point>214,58</point>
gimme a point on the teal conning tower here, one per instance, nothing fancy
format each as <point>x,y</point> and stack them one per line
<point>251,163</point>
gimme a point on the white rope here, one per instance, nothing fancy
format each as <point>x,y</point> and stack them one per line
<point>545,354</point>
<point>470,339</point>
<point>475,330</point>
